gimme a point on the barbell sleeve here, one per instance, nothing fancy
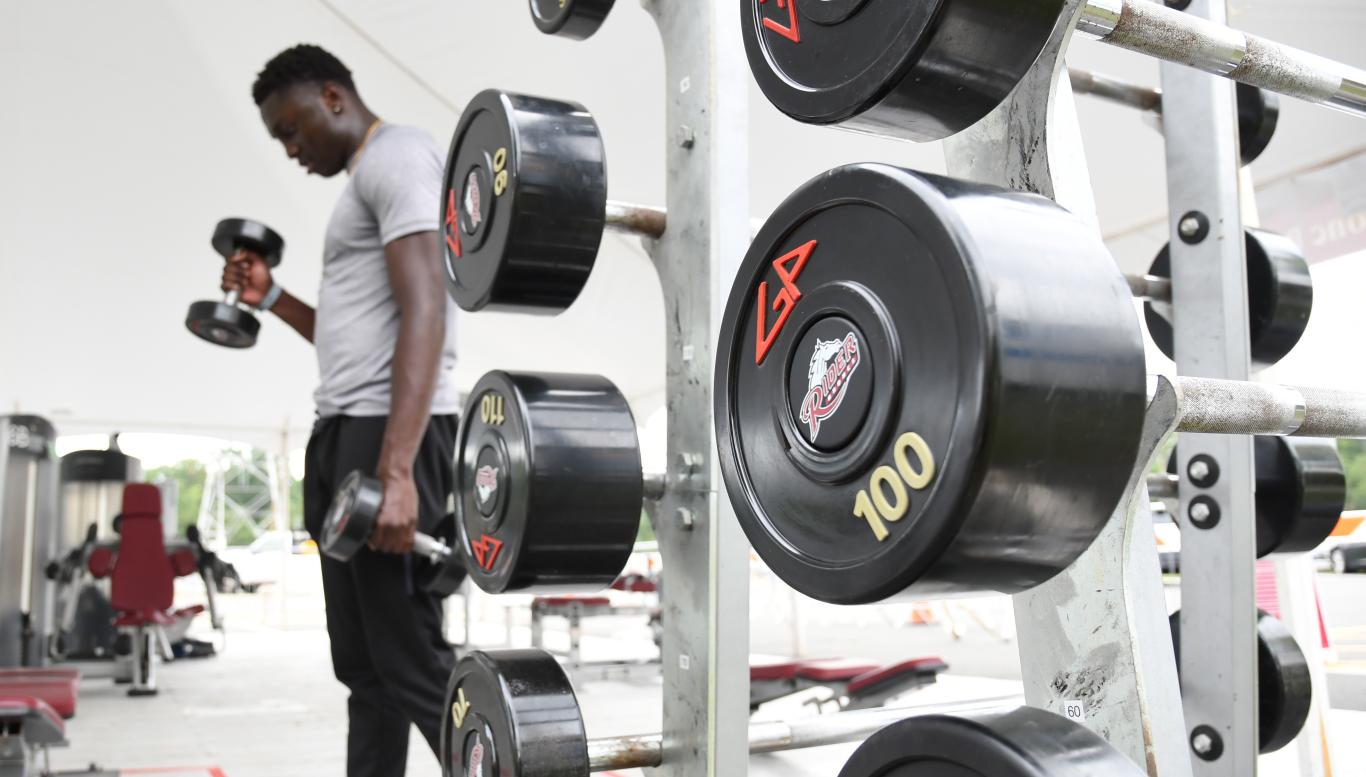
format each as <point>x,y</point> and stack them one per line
<point>646,751</point>
<point>1162,485</point>
<point>636,219</point>
<point>655,485</point>
<point>1151,28</point>
<point>1153,287</point>
<point>430,547</point>
<point>1117,91</point>
<point>1213,406</point>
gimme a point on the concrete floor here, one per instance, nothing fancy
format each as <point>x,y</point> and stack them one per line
<point>269,707</point>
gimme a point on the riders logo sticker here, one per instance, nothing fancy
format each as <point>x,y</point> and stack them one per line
<point>476,761</point>
<point>486,483</point>
<point>473,211</point>
<point>833,363</point>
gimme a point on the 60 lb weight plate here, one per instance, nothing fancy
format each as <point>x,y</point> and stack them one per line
<point>1026,742</point>
<point>925,383</point>
<point>576,19</point>
<point>921,70</point>
<point>524,203</point>
<point>1280,297</point>
<point>547,482</point>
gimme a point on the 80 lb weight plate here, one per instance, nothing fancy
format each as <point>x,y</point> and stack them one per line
<point>547,482</point>
<point>524,203</point>
<point>1280,297</point>
<point>1026,742</point>
<point>925,383</point>
<point>576,19</point>
<point>893,67</point>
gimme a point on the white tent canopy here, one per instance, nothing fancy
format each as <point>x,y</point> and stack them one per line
<point>129,131</point>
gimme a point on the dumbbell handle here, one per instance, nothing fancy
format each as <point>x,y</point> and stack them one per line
<point>232,296</point>
<point>433,549</point>
<point>646,752</point>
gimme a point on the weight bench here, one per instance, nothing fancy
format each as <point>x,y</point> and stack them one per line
<point>574,609</point>
<point>33,704</point>
<point>854,684</point>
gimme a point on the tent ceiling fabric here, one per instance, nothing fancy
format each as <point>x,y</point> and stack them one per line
<point>131,131</point>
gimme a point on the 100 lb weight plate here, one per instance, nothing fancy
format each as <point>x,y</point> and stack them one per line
<point>547,482</point>
<point>925,383</point>
<point>523,204</point>
<point>921,70</point>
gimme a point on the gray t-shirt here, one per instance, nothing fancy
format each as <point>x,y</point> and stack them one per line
<point>394,190</point>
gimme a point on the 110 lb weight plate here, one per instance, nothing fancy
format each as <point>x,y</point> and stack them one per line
<point>925,383</point>
<point>1280,297</point>
<point>524,203</point>
<point>547,482</point>
<point>893,67</point>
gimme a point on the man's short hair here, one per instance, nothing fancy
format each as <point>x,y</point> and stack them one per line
<point>301,64</point>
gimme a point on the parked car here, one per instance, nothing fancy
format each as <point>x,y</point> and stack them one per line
<point>260,562</point>
<point>1345,549</point>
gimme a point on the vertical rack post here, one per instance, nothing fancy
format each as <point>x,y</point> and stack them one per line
<point>1094,642</point>
<point>1209,303</point>
<point>705,596</point>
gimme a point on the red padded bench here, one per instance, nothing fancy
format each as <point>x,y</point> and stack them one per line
<point>855,683</point>
<point>770,678</point>
<point>873,689</point>
<point>56,687</point>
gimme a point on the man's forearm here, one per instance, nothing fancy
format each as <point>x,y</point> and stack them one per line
<point>295,312</point>
<point>417,356</point>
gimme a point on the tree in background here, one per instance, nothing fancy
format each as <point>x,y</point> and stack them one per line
<point>190,475</point>
<point>1353,454</point>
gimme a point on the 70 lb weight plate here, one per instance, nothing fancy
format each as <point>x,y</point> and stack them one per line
<point>893,67</point>
<point>524,203</point>
<point>927,384</point>
<point>547,482</point>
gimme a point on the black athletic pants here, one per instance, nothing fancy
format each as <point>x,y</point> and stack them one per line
<point>388,647</point>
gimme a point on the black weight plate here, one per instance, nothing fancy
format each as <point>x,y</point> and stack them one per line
<point>1259,111</point>
<point>991,330</point>
<point>222,324</point>
<point>524,203</point>
<point>1285,690</point>
<point>576,19</point>
<point>1301,490</point>
<point>547,482</point>
<point>1280,297</point>
<point>511,713</point>
<point>919,70</point>
<point>232,234</point>
<point>351,516</point>
<point>444,578</point>
<point>1025,742</point>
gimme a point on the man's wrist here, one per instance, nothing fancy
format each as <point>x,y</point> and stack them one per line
<point>271,297</point>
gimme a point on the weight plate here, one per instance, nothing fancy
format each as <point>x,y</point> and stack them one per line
<point>1284,688</point>
<point>919,70</point>
<point>979,386</point>
<point>1259,111</point>
<point>1025,742</point>
<point>1280,297</point>
<point>222,324</point>
<point>232,234</point>
<point>547,482</point>
<point>576,19</point>
<point>511,713</point>
<point>351,516</point>
<point>524,205</point>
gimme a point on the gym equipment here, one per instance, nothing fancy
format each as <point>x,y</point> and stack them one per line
<point>350,519</point>
<point>29,528</point>
<point>1285,689</point>
<point>92,489</point>
<point>227,323</point>
<point>926,386</point>
<point>1301,489</point>
<point>1259,111</point>
<point>853,684</point>
<point>926,70</point>
<point>576,19</point>
<point>513,713</point>
<point>1280,297</point>
<point>891,342</point>
<point>525,204</point>
<point>1025,742</point>
<point>548,482</point>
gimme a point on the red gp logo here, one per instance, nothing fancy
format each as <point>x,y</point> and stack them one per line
<point>452,223</point>
<point>485,551</point>
<point>785,300</point>
<point>791,32</point>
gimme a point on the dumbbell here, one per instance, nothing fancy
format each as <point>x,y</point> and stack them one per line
<point>1285,691</point>
<point>227,323</point>
<point>1259,111</point>
<point>513,713</point>
<point>524,204</point>
<point>1300,492</point>
<point>928,70</point>
<point>926,385</point>
<point>548,482</point>
<point>576,19</point>
<point>351,519</point>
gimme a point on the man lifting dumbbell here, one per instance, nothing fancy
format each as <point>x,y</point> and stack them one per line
<point>387,402</point>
